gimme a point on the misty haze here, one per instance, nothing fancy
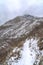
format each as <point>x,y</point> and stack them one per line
<point>21,32</point>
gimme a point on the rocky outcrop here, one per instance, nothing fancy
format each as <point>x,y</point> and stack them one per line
<point>40,44</point>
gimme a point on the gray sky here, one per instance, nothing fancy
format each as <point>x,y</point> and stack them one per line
<point>12,8</point>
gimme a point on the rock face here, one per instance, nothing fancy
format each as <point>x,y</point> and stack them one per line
<point>41,61</point>
<point>17,30</point>
<point>40,44</point>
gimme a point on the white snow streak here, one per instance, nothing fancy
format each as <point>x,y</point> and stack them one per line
<point>28,53</point>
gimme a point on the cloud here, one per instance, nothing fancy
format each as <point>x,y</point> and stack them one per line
<point>12,8</point>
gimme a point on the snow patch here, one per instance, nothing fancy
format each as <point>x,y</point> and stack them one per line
<point>28,56</point>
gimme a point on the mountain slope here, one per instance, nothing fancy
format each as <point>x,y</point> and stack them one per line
<point>14,32</point>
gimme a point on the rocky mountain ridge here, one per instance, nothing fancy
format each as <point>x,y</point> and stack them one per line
<point>13,32</point>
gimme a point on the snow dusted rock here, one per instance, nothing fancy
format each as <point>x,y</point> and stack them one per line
<point>14,33</point>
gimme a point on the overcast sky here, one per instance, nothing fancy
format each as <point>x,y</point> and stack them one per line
<point>12,8</point>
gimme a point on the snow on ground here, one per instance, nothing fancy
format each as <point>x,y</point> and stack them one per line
<point>28,53</point>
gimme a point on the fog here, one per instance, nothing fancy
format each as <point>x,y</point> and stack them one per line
<point>11,8</point>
